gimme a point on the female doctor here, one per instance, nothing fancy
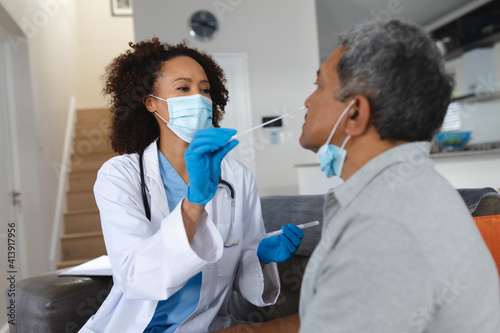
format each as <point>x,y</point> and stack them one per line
<point>189,234</point>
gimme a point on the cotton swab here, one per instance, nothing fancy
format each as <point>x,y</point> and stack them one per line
<point>267,122</point>
<point>300,226</point>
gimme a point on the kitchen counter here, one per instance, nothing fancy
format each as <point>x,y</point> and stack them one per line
<point>482,149</point>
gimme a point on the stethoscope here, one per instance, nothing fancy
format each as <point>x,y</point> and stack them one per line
<point>222,183</point>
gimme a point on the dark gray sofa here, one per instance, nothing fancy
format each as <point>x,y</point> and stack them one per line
<point>50,303</point>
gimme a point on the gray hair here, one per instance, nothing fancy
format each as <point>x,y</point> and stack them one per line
<point>400,70</point>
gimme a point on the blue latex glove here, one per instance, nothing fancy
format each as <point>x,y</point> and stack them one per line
<point>280,248</point>
<point>203,158</point>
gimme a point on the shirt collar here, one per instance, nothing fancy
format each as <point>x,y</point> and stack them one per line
<point>414,152</point>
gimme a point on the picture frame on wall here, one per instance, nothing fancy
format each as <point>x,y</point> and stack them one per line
<point>121,7</point>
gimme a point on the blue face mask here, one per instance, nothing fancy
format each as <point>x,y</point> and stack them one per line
<point>331,158</point>
<point>188,114</point>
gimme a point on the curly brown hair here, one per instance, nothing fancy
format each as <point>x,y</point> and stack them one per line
<point>132,76</point>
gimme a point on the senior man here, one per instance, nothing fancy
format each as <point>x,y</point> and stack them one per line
<point>399,251</point>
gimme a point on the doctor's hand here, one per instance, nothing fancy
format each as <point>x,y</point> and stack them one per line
<point>280,248</point>
<point>203,158</point>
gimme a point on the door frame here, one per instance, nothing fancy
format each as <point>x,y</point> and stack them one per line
<point>14,216</point>
<point>13,144</point>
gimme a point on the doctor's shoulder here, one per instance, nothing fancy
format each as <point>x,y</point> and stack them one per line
<point>126,164</point>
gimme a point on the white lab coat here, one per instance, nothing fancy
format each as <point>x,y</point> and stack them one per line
<point>151,260</point>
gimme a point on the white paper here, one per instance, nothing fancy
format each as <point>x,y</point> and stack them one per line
<point>96,267</point>
<point>452,120</point>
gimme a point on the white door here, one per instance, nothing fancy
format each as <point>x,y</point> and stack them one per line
<point>238,110</point>
<point>7,209</point>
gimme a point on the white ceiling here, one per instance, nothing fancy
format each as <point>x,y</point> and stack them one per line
<point>338,15</point>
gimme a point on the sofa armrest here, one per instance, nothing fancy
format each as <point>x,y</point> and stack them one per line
<point>489,205</point>
<point>51,303</point>
<point>480,198</point>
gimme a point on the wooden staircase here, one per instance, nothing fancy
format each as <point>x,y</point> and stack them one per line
<point>82,239</point>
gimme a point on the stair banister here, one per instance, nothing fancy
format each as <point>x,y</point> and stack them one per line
<point>61,190</point>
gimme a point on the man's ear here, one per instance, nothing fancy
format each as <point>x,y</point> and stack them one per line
<point>359,117</point>
<point>149,103</point>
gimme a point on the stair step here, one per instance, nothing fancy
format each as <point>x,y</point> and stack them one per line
<point>101,124</point>
<point>89,162</point>
<point>72,263</point>
<point>82,245</point>
<point>93,132</point>
<point>89,116</point>
<point>82,220</point>
<point>80,181</point>
<point>90,146</point>
<point>80,200</point>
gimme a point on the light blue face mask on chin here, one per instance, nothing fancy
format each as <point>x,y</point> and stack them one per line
<point>331,157</point>
<point>187,114</point>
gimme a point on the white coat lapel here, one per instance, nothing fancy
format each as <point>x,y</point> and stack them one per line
<point>153,179</point>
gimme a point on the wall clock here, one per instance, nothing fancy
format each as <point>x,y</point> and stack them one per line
<point>203,25</point>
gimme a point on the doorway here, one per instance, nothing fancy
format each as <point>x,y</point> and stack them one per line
<point>238,110</point>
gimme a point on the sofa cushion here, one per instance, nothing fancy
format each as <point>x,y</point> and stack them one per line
<point>291,274</point>
<point>276,211</point>
<point>296,209</point>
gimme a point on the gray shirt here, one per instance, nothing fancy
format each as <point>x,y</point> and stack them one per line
<point>399,253</point>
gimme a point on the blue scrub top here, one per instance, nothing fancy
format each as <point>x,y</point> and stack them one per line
<point>170,313</point>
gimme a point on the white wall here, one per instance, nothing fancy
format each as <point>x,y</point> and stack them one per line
<point>483,118</point>
<point>280,39</point>
<point>101,37</point>
<point>471,171</point>
<point>45,77</point>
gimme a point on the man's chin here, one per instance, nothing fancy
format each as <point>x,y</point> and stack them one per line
<point>307,145</point>
<point>302,142</point>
